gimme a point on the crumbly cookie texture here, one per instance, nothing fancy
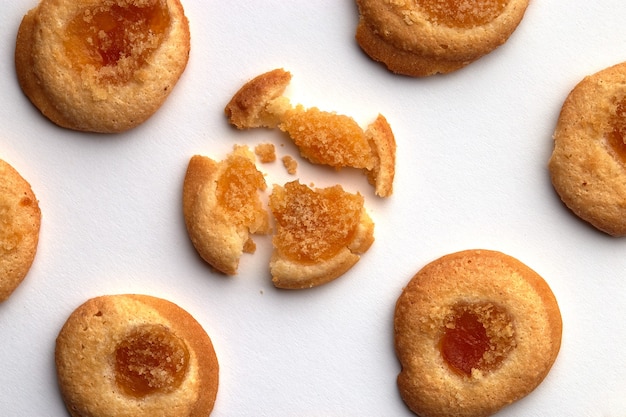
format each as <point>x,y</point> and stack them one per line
<point>101,66</point>
<point>474,331</point>
<point>135,355</point>
<point>320,234</point>
<point>266,152</point>
<point>322,137</point>
<point>588,162</point>
<point>20,221</point>
<point>427,37</point>
<point>222,207</point>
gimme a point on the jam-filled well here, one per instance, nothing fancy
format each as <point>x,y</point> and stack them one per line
<point>617,133</point>
<point>314,224</point>
<point>237,188</point>
<point>109,35</point>
<point>150,359</point>
<point>476,336</point>
<point>462,13</point>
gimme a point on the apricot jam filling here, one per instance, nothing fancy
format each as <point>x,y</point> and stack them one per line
<point>328,138</point>
<point>476,336</point>
<point>314,224</point>
<point>106,36</point>
<point>462,13</point>
<point>617,131</point>
<point>150,359</point>
<point>237,188</point>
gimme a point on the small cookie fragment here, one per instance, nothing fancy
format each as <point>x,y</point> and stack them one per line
<point>251,106</point>
<point>20,221</point>
<point>322,137</point>
<point>425,37</point>
<point>474,331</point>
<point>320,234</point>
<point>101,66</point>
<point>588,162</point>
<point>135,355</point>
<point>383,145</point>
<point>266,152</point>
<point>222,207</point>
<point>290,164</point>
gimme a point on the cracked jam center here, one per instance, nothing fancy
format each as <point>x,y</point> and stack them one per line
<point>314,224</point>
<point>462,13</point>
<point>235,188</point>
<point>150,359</point>
<point>119,36</point>
<point>476,336</point>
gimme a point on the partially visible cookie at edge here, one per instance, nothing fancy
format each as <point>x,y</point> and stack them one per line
<point>20,222</point>
<point>423,38</point>
<point>588,162</point>
<point>135,355</point>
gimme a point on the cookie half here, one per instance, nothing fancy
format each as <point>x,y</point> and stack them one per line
<point>101,66</point>
<point>135,355</point>
<point>320,234</point>
<point>222,207</point>
<point>20,220</point>
<point>426,37</point>
<point>474,331</point>
<point>588,163</point>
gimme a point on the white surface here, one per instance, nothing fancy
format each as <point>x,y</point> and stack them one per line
<point>471,173</point>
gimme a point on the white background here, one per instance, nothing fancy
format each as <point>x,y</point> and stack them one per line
<point>471,171</point>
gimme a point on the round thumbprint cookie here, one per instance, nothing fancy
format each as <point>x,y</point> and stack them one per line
<point>425,37</point>
<point>101,66</point>
<point>588,162</point>
<point>20,221</point>
<point>135,355</point>
<point>474,331</point>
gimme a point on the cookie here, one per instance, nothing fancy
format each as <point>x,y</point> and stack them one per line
<point>588,162</point>
<point>474,331</point>
<point>20,220</point>
<point>426,37</point>
<point>135,355</point>
<point>322,137</point>
<point>101,66</point>
<point>320,234</point>
<point>222,207</point>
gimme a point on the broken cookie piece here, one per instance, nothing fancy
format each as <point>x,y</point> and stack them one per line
<point>320,234</point>
<point>322,137</point>
<point>251,105</point>
<point>222,207</point>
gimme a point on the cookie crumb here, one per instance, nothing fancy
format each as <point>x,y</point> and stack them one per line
<point>266,152</point>
<point>290,164</point>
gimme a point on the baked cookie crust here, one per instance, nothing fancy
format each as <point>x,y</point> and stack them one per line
<point>84,72</point>
<point>588,162</point>
<point>89,346</point>
<point>20,221</point>
<point>426,37</point>
<point>517,313</point>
